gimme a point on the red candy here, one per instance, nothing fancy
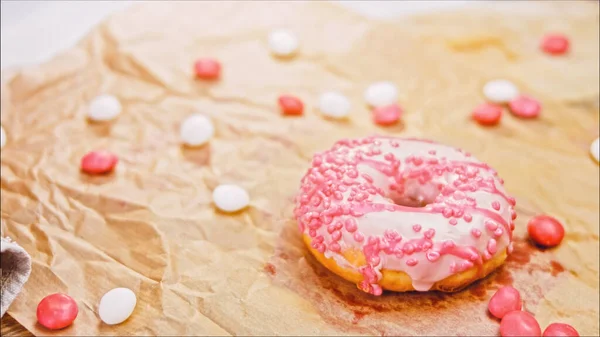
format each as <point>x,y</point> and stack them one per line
<point>487,114</point>
<point>545,230</point>
<point>519,323</point>
<point>560,330</point>
<point>207,69</point>
<point>290,105</point>
<point>98,162</point>
<point>555,44</point>
<point>505,300</point>
<point>387,115</point>
<point>525,107</point>
<point>57,311</point>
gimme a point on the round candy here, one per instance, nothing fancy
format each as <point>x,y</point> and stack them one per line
<point>387,115</point>
<point>230,198</point>
<point>196,130</point>
<point>595,149</point>
<point>381,94</point>
<point>560,330</point>
<point>487,114</point>
<point>545,230</point>
<point>334,105</point>
<point>57,311</point>
<point>207,69</point>
<point>525,107</point>
<point>519,323</point>
<point>116,306</point>
<point>555,44</point>
<point>283,42</point>
<point>290,105</point>
<point>98,162</point>
<point>500,91</point>
<point>3,137</point>
<point>505,300</point>
<point>104,108</point>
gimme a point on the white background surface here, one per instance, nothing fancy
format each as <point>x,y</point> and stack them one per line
<point>34,31</point>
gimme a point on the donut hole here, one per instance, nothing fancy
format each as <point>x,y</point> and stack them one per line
<point>413,194</point>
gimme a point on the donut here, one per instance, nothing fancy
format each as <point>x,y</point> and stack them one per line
<point>404,214</point>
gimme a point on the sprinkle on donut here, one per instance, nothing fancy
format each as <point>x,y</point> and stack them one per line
<point>403,203</point>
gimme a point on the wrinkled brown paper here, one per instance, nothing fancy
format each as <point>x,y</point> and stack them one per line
<point>151,227</point>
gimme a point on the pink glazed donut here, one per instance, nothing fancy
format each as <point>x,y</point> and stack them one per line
<point>404,214</point>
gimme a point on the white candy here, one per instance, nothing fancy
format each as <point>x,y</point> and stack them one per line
<point>595,149</point>
<point>381,94</point>
<point>2,137</point>
<point>334,105</point>
<point>230,198</point>
<point>104,108</point>
<point>196,130</point>
<point>283,42</point>
<point>500,91</point>
<point>116,306</point>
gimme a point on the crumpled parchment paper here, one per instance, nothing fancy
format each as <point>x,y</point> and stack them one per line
<point>151,227</point>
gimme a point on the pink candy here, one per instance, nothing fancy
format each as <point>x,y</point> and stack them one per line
<point>560,330</point>
<point>519,323</point>
<point>505,300</point>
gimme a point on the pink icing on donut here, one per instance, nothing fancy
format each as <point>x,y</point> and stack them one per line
<point>410,205</point>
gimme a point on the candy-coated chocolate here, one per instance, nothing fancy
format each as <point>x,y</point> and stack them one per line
<point>487,114</point>
<point>381,94</point>
<point>57,311</point>
<point>99,162</point>
<point>387,115</point>
<point>505,300</point>
<point>207,69</point>
<point>545,230</point>
<point>500,91</point>
<point>519,323</point>
<point>555,44</point>
<point>525,107</point>
<point>560,330</point>
<point>290,105</point>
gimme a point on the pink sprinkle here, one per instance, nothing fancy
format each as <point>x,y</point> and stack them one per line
<point>453,222</point>
<point>334,247</point>
<point>468,217</point>
<point>429,233</point>
<point>510,248</point>
<point>358,237</point>
<point>496,205</point>
<point>330,229</point>
<point>417,228</point>
<point>375,260</point>
<point>337,235</point>
<point>475,232</point>
<point>351,225</point>
<point>491,247</point>
<point>448,244</point>
<point>486,255</point>
<point>498,232</point>
<point>447,212</point>
<point>411,262</point>
<point>408,248</point>
<point>491,225</point>
<point>433,256</point>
